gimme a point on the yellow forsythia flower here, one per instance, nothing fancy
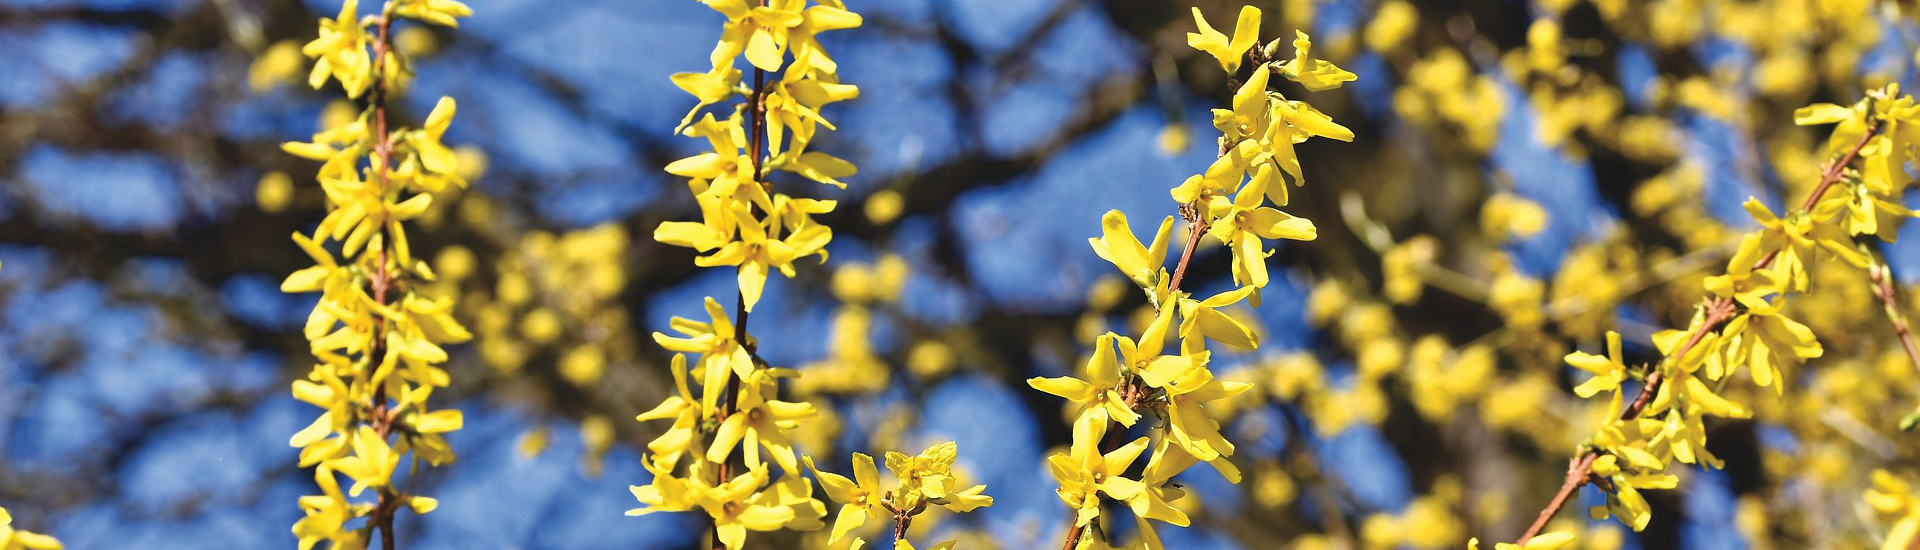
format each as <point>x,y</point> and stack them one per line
<point>1544,541</point>
<point>11,539</point>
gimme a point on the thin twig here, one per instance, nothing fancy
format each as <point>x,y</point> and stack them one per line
<point>1195,229</point>
<point>1882,276</point>
<point>1191,213</point>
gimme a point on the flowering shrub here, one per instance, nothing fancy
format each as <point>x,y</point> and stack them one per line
<point>1517,202</point>
<point>1741,322</point>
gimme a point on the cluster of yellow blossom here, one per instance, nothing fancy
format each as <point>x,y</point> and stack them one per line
<point>748,225</point>
<point>554,303</point>
<point>927,478</point>
<point>1439,377</point>
<point>557,292</point>
<point>376,336</point>
<point>730,181</point>
<point>1743,323</point>
<point>1511,363</point>
<point>706,440</point>
<point>1126,376</point>
<point>1257,140</point>
<point>1444,96</point>
<point>13,539</point>
<point>852,366</point>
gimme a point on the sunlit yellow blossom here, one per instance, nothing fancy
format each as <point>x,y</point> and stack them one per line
<point>859,497</point>
<point>1142,264</point>
<point>928,477</point>
<point>1097,396</point>
<point>341,52</point>
<point>758,253</point>
<point>1243,224</point>
<point>719,352</point>
<point>1190,424</point>
<point>1625,500</point>
<point>1158,492</point>
<point>1251,112</point>
<point>1761,338</point>
<point>438,12</point>
<point>735,509</point>
<point>761,422</point>
<point>1085,473</point>
<point>686,412</point>
<point>325,513</point>
<point>1203,318</point>
<point>666,493</point>
<point>1543,541</point>
<point>759,31</point>
<point>795,107</point>
<point>1608,372</point>
<point>725,170</point>
<point>1246,33</point>
<point>1144,359</point>
<point>439,163</point>
<point>1314,74</point>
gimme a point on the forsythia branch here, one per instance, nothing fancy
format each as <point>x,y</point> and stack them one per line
<point>1717,312</point>
<point>1229,202</point>
<point>375,334</point>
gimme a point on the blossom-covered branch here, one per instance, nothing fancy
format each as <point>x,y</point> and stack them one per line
<point>1127,377</point>
<point>375,334</point>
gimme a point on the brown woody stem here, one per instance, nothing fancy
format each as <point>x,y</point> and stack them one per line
<point>756,116</point>
<point>381,280</point>
<point>1073,536</point>
<point>1191,213</point>
<point>1882,276</point>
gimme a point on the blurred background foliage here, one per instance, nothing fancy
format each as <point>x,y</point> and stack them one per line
<point>1526,176</point>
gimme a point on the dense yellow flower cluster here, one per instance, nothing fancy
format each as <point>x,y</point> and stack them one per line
<point>376,336</point>
<point>559,292</point>
<point>1127,376</point>
<point>13,539</point>
<point>1257,139</point>
<point>1742,323</point>
<point>852,366</point>
<point>730,182</point>
<point>746,224</point>
<point>927,478</point>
